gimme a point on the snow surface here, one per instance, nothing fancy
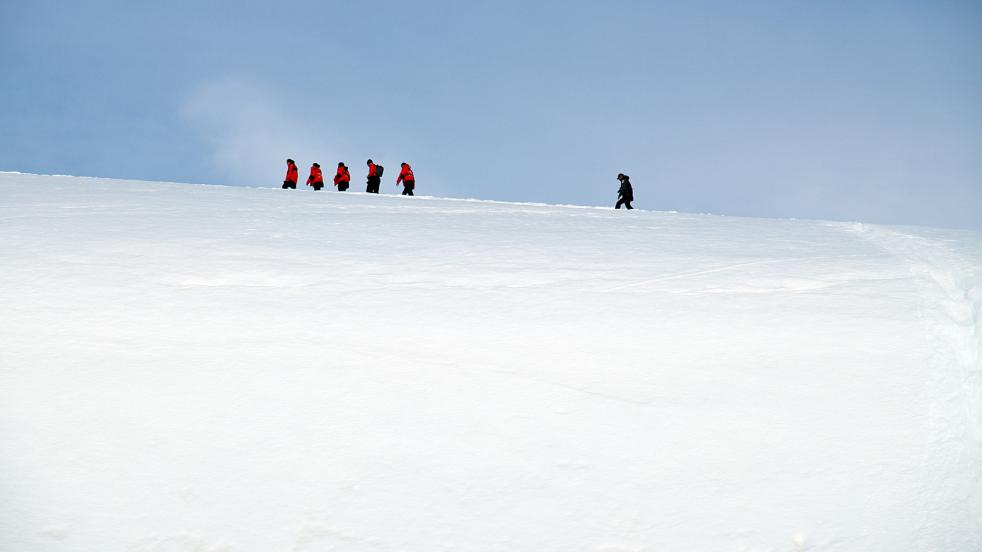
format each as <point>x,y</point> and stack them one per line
<point>207,368</point>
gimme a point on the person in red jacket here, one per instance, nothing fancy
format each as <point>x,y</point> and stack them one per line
<point>291,175</point>
<point>374,178</point>
<point>343,178</point>
<point>316,178</point>
<point>407,178</point>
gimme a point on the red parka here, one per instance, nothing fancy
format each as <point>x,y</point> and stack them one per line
<point>371,170</point>
<point>291,172</point>
<point>406,174</point>
<point>315,175</point>
<point>343,175</point>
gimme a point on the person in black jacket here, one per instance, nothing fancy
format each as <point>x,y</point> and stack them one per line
<point>625,195</point>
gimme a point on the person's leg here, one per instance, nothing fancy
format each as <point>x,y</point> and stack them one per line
<point>286,184</point>
<point>619,203</point>
<point>628,204</point>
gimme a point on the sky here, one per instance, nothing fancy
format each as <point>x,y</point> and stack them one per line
<point>867,111</point>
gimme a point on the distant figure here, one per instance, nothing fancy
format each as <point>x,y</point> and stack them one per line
<point>343,178</point>
<point>316,178</point>
<point>407,178</point>
<point>625,195</point>
<point>374,177</point>
<point>291,175</point>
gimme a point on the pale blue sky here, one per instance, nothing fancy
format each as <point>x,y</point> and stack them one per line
<point>865,111</point>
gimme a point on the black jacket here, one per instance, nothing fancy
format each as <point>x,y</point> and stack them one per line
<point>626,191</point>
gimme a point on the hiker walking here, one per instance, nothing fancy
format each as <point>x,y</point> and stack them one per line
<point>407,178</point>
<point>374,177</point>
<point>342,178</point>
<point>625,195</point>
<point>316,178</point>
<point>291,175</point>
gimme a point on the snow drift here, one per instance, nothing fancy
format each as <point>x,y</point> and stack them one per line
<point>207,368</point>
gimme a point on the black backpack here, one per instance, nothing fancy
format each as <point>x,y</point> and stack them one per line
<point>378,170</point>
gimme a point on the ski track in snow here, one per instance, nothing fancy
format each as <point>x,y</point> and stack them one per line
<point>217,369</point>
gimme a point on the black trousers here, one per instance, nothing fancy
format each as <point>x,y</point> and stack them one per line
<point>408,186</point>
<point>289,184</point>
<point>317,185</point>
<point>373,184</point>
<point>625,202</point>
<point>343,185</point>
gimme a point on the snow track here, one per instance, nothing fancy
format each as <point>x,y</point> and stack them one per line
<point>207,368</point>
<point>951,310</point>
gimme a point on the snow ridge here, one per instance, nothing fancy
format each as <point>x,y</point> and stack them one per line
<point>952,295</point>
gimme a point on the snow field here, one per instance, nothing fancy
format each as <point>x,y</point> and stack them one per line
<point>207,368</point>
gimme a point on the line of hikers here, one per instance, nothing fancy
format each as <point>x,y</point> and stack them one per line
<point>625,194</point>
<point>343,177</point>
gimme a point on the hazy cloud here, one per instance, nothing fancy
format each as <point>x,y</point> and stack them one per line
<point>251,130</point>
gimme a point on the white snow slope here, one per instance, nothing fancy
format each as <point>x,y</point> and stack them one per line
<point>207,368</point>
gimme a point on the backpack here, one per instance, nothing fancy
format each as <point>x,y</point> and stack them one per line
<point>378,170</point>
